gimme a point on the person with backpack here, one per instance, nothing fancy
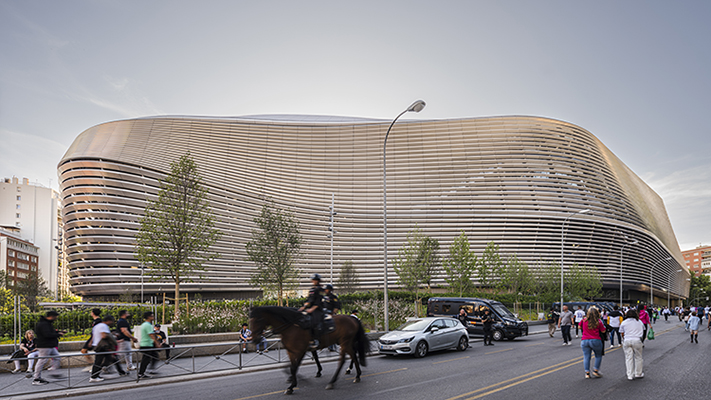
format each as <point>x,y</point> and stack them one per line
<point>644,319</point>
<point>552,318</point>
<point>614,319</point>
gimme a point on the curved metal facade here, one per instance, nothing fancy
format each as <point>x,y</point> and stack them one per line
<point>511,180</point>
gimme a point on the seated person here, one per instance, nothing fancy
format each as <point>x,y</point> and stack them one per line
<point>245,336</point>
<point>162,341</point>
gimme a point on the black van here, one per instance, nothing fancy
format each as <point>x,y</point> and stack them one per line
<point>506,324</point>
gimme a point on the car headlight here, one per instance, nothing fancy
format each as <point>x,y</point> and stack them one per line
<point>408,340</point>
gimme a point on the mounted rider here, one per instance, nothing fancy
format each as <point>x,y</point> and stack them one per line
<point>331,305</point>
<point>314,307</point>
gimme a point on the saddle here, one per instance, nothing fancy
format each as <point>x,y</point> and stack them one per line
<point>328,324</point>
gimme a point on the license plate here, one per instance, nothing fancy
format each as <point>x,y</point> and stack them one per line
<point>385,347</point>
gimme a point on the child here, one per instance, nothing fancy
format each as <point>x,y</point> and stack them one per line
<point>694,327</point>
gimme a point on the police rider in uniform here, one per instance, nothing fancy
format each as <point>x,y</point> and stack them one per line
<point>331,306</point>
<point>313,307</point>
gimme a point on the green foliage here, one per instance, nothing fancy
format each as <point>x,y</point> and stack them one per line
<point>489,265</point>
<point>418,261</point>
<point>33,289</point>
<point>516,277</point>
<point>699,290</point>
<point>177,230</point>
<point>274,248</point>
<point>460,265</point>
<point>548,277</point>
<point>583,282</point>
<point>348,281</point>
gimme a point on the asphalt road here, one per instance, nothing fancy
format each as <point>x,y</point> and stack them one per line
<point>534,367</point>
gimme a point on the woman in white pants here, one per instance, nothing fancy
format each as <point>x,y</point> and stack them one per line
<point>632,330</point>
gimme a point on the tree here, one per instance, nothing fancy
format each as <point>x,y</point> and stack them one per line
<point>177,230</point>
<point>548,277</point>
<point>274,248</point>
<point>460,265</point>
<point>516,277</point>
<point>32,289</point>
<point>489,265</point>
<point>6,295</point>
<point>348,281</point>
<point>583,282</point>
<point>417,262</point>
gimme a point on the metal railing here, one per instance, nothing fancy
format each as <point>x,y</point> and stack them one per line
<point>183,360</point>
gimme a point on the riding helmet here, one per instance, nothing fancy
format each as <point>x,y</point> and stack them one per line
<point>316,277</point>
<point>328,287</point>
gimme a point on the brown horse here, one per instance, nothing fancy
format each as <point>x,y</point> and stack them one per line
<point>349,334</point>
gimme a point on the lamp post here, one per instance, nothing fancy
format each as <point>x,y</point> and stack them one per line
<point>651,284</point>
<point>562,242</point>
<point>417,106</point>
<point>332,212</point>
<point>669,289</point>
<point>621,252</point>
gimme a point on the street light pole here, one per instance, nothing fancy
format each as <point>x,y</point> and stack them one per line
<point>621,252</point>
<point>651,284</point>
<point>562,243</point>
<point>669,289</point>
<point>417,106</point>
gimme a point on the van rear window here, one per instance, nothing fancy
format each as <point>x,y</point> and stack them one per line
<point>445,308</point>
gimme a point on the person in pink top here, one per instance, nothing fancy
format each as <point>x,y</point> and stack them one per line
<point>644,319</point>
<point>593,330</point>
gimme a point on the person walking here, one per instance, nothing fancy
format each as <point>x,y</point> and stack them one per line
<point>577,317</point>
<point>125,338</point>
<point>488,321</point>
<point>47,343</point>
<point>614,319</point>
<point>565,322</point>
<point>96,319</point>
<point>694,322</point>
<point>593,331</point>
<point>104,342</point>
<point>632,331</point>
<point>644,319</point>
<point>552,318</point>
<point>666,312</point>
<point>148,344</point>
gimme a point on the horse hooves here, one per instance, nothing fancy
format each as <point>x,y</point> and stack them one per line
<point>329,386</point>
<point>289,391</point>
<point>348,372</point>
<point>357,379</point>
<point>318,374</point>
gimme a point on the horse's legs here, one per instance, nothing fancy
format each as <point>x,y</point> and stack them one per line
<point>357,365</point>
<point>350,367</point>
<point>318,364</point>
<point>341,360</point>
<point>295,362</point>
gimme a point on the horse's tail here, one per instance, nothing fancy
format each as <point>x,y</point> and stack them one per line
<point>362,344</point>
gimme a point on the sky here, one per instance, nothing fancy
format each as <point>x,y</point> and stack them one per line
<point>635,73</point>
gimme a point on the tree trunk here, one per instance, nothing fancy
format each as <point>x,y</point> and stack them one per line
<point>177,299</point>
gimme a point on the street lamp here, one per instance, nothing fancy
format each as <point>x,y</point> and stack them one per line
<point>621,252</point>
<point>562,242</point>
<point>417,106</point>
<point>651,296</point>
<point>669,289</point>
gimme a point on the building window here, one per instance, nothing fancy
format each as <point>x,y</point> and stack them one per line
<point>33,259</point>
<point>19,198</point>
<point>19,189</point>
<point>11,253</point>
<point>696,254</point>
<point>10,263</point>
<point>22,275</point>
<point>17,206</point>
<point>17,215</point>
<point>24,266</point>
<point>23,256</point>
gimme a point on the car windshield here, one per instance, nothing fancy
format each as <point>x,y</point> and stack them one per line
<point>502,310</point>
<point>414,325</point>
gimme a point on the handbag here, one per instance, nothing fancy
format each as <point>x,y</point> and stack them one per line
<point>650,333</point>
<point>17,354</point>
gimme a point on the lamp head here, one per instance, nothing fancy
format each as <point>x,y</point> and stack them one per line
<point>585,211</point>
<point>416,106</point>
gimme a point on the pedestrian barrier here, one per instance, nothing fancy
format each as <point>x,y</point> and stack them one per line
<point>184,360</point>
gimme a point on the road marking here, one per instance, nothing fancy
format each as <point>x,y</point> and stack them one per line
<point>513,379</point>
<point>262,395</point>
<point>377,373</point>
<point>498,351</point>
<point>537,344</point>
<point>454,359</point>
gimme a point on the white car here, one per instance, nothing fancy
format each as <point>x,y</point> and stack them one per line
<point>422,335</point>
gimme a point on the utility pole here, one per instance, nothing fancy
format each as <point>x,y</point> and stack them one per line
<point>331,214</point>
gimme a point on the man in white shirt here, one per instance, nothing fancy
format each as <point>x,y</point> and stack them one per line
<point>579,315</point>
<point>632,330</point>
<point>101,333</point>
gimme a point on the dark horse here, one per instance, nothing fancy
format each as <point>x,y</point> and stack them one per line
<point>349,334</point>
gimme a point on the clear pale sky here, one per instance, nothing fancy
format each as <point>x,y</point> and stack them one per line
<point>637,74</point>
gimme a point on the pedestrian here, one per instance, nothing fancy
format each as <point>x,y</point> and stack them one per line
<point>148,344</point>
<point>104,343</point>
<point>552,318</point>
<point>700,313</point>
<point>96,319</point>
<point>47,343</point>
<point>125,338</point>
<point>644,319</point>
<point>463,317</point>
<point>565,322</point>
<point>686,314</point>
<point>614,319</point>
<point>27,350</point>
<point>694,322</point>
<point>162,342</point>
<point>577,317</point>
<point>655,315</point>
<point>488,322</point>
<point>632,331</point>
<point>592,341</point>
<point>666,312</point>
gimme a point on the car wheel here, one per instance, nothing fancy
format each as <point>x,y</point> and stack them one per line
<point>463,343</point>
<point>421,349</point>
<point>498,335</point>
